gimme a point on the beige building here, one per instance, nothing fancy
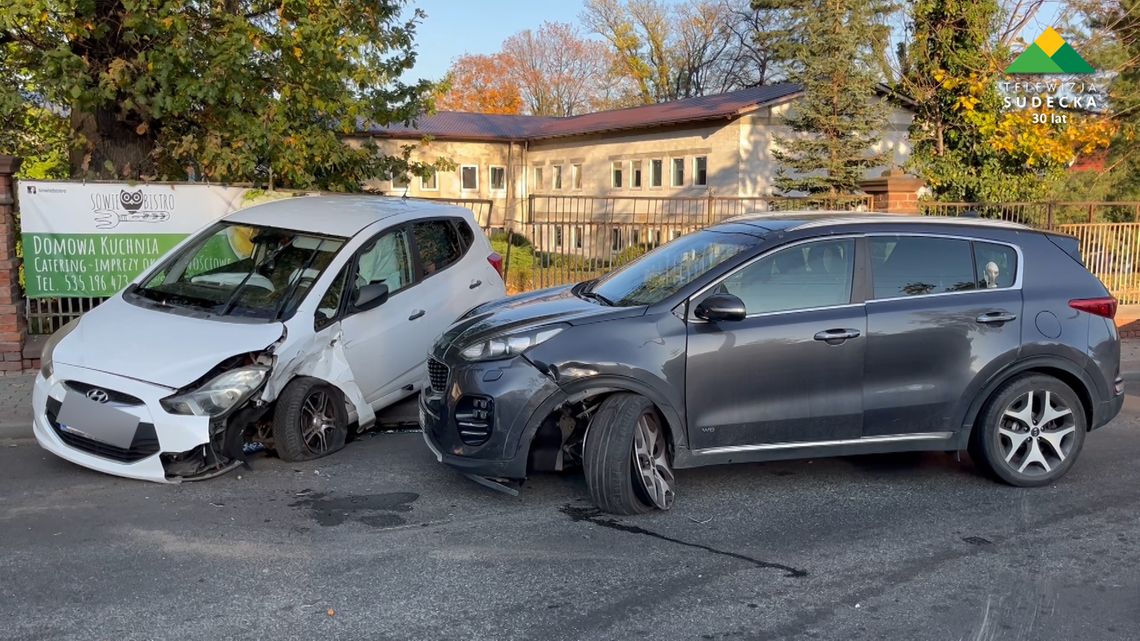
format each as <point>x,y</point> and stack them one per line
<point>718,145</point>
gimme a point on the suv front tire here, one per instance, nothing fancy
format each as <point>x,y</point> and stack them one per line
<point>626,457</point>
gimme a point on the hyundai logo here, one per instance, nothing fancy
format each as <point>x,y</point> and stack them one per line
<point>98,395</point>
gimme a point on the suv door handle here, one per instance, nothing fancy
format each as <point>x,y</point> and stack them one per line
<point>475,283</point>
<point>996,318</point>
<point>836,336</point>
<point>416,314</point>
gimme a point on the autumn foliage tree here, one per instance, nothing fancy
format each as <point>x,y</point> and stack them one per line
<point>481,83</point>
<point>225,90</point>
<point>968,144</point>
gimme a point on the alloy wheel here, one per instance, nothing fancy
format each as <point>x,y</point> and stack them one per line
<point>651,458</point>
<point>318,420</point>
<point>1036,433</point>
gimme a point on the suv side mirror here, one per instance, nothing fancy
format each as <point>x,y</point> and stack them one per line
<point>721,307</point>
<point>370,296</point>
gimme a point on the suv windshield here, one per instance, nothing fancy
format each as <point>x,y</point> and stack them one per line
<point>241,270</point>
<point>660,273</point>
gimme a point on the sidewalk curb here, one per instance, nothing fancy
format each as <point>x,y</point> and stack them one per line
<point>16,431</point>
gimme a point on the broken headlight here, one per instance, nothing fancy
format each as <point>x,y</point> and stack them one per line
<point>218,396</point>
<point>508,345</point>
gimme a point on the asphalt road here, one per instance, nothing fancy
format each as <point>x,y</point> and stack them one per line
<point>380,542</point>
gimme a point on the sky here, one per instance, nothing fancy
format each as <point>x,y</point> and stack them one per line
<point>455,27</point>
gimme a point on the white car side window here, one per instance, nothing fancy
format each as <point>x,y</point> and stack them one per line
<point>388,261</point>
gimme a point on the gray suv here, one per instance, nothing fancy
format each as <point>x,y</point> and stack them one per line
<point>796,336</point>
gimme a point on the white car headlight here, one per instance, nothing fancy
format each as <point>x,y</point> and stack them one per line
<point>508,345</point>
<point>219,395</point>
<point>47,366</point>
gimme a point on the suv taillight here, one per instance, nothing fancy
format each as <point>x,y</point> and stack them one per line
<point>1105,307</point>
<point>497,262</point>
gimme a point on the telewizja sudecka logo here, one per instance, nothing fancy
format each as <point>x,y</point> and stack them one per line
<point>1049,53</point>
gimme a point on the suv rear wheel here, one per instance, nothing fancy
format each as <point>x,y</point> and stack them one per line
<point>626,457</point>
<point>1030,432</point>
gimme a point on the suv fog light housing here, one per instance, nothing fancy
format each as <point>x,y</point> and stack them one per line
<point>508,345</point>
<point>221,394</point>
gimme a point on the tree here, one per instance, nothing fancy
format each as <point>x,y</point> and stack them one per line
<point>481,83</point>
<point>692,48</point>
<point>1118,23</point>
<point>831,48</point>
<point>228,90</point>
<point>967,143</point>
<point>558,71</point>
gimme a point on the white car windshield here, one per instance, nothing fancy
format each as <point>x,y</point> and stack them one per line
<point>242,270</point>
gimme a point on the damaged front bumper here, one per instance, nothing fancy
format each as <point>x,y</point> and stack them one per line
<point>498,445</point>
<point>116,425</point>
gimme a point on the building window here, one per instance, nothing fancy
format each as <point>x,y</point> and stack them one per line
<point>576,176</point>
<point>538,179</point>
<point>674,233</point>
<point>578,233</point>
<point>615,238</point>
<point>615,175</point>
<point>701,170</point>
<point>557,176</point>
<point>430,182</point>
<point>558,236</point>
<point>635,236</point>
<point>655,171</point>
<point>469,177</point>
<point>498,178</point>
<point>678,179</point>
<point>399,181</point>
<point>635,174</point>
<point>654,237</point>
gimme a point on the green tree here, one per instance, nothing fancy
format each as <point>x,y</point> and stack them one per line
<point>967,143</point>
<point>948,63</point>
<point>834,49</point>
<point>1120,21</point>
<point>225,90</point>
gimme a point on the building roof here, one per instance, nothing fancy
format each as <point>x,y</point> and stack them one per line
<point>457,125</point>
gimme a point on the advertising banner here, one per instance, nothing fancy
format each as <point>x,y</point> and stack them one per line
<point>91,239</point>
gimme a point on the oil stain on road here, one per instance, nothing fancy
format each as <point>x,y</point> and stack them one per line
<point>373,510</point>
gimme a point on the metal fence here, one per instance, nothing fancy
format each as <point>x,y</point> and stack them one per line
<point>1112,252</point>
<point>1045,215</point>
<point>568,239</point>
<point>481,207</point>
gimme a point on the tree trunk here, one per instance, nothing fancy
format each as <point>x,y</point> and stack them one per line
<point>114,148</point>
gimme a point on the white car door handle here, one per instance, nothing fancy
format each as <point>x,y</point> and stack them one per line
<point>416,314</point>
<point>475,283</point>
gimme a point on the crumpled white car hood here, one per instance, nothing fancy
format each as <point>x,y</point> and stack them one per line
<point>158,347</point>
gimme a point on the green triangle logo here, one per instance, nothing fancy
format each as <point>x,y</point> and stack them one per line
<point>1049,53</point>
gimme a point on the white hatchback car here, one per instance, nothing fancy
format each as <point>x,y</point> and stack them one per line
<point>289,323</point>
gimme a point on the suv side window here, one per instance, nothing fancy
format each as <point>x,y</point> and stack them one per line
<point>439,244</point>
<point>918,265</point>
<point>996,265</point>
<point>817,274</point>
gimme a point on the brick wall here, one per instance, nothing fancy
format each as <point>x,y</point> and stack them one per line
<point>13,326</point>
<point>894,192</point>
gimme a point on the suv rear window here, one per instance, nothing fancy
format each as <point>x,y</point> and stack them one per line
<point>996,264</point>
<point>439,244</point>
<point>919,265</point>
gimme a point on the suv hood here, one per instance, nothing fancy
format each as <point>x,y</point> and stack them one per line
<point>158,347</point>
<point>555,305</point>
